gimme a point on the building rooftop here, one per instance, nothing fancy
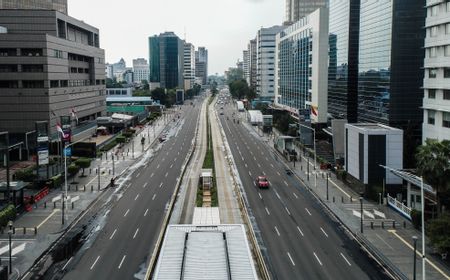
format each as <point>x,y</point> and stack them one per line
<point>205,252</point>
<point>373,126</point>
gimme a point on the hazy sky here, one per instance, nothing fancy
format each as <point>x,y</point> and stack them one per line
<point>224,27</point>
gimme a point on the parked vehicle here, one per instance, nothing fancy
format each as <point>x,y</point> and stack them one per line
<point>262,182</point>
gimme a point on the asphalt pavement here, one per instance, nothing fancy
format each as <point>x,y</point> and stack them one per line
<point>129,230</point>
<point>299,239</point>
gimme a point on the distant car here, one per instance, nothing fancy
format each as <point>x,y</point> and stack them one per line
<point>262,182</point>
<point>221,113</point>
<point>162,138</point>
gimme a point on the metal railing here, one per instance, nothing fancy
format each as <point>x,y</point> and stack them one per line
<point>399,206</point>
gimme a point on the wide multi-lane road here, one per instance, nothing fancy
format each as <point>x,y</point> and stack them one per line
<point>133,224</point>
<point>301,240</point>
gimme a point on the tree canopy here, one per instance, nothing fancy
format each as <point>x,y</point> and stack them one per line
<point>239,89</point>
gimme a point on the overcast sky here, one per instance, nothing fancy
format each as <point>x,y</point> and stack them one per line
<point>224,27</point>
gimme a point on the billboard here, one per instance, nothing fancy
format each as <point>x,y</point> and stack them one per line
<point>66,125</point>
<point>42,140</point>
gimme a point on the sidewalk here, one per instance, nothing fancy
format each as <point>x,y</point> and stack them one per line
<point>392,241</point>
<point>47,218</point>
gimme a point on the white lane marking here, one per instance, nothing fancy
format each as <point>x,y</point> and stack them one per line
<point>64,267</point>
<point>146,211</point>
<point>171,166</point>
<point>157,167</point>
<point>292,261</point>
<point>167,153</point>
<point>153,174</point>
<point>285,183</point>
<point>254,158</point>
<point>250,173</point>
<point>246,166</point>
<point>126,213</point>
<point>295,195</point>
<point>160,185</point>
<point>276,193</point>
<point>96,260</point>
<point>145,185</point>
<point>154,196</point>
<point>276,229</point>
<point>267,210</point>
<point>287,210</point>
<point>264,173</point>
<point>324,232</point>
<point>308,211</point>
<point>260,196</point>
<point>259,165</point>
<point>175,159</point>
<point>242,158</point>
<point>317,258</point>
<point>271,165</point>
<point>138,174</point>
<point>121,262</point>
<point>301,232</point>
<point>137,196</point>
<point>278,173</point>
<point>251,153</point>
<point>349,264</point>
<point>112,235</point>
<point>267,159</point>
<point>167,173</point>
<point>137,230</point>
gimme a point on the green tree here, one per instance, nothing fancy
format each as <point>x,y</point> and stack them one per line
<point>433,164</point>
<point>171,98</point>
<point>239,89</point>
<point>142,92</point>
<point>83,163</point>
<point>438,230</point>
<point>112,83</point>
<point>235,74</point>
<point>159,94</point>
<point>145,85</point>
<point>73,169</point>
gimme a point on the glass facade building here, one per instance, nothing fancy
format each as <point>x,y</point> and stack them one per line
<point>57,5</point>
<point>343,59</point>
<point>154,59</point>
<point>391,57</point>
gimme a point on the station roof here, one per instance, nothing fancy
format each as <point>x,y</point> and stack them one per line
<point>205,252</point>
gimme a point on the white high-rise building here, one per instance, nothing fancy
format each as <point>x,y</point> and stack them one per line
<point>141,70</point>
<point>296,9</point>
<point>189,66</point>
<point>246,65</point>
<point>436,101</point>
<point>265,61</point>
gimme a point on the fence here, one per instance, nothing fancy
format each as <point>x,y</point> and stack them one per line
<point>399,207</point>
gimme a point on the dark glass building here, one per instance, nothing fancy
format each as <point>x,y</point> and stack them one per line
<point>343,59</point>
<point>170,51</point>
<point>391,58</point>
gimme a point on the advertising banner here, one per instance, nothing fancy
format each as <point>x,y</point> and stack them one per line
<point>42,142</point>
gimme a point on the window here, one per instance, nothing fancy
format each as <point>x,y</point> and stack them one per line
<point>447,50</point>
<point>31,52</point>
<point>431,116</point>
<point>431,93</point>
<point>446,119</point>
<point>448,6</point>
<point>446,72</point>
<point>434,10</point>
<point>54,83</point>
<point>447,28</point>
<point>33,68</point>
<point>432,73</point>
<point>8,52</point>
<point>8,68</point>
<point>433,31</point>
<point>446,94</point>
<point>432,52</point>
<point>32,84</point>
<point>9,84</point>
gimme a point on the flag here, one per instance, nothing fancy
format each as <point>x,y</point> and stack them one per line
<point>74,114</point>
<point>314,111</point>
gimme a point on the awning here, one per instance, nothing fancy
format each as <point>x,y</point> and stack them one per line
<point>122,117</point>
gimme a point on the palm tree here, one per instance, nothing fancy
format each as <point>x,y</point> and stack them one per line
<point>433,164</point>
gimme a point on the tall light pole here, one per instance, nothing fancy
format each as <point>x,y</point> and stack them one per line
<point>10,231</point>
<point>362,212</point>
<point>315,151</point>
<point>423,228</point>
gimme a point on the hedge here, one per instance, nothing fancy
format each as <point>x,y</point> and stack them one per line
<point>109,146</point>
<point>7,214</point>
<point>121,139</point>
<point>26,175</point>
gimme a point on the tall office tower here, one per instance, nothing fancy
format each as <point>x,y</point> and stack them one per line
<point>301,67</point>
<point>391,58</point>
<point>246,65</point>
<point>265,65</point>
<point>166,60</point>
<point>140,70</point>
<point>252,58</point>
<point>296,9</point>
<point>189,66</point>
<point>49,67</point>
<point>201,64</point>
<point>56,5</point>
<point>436,102</point>
<point>343,59</point>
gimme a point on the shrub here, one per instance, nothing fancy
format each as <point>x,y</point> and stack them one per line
<point>109,146</point>
<point>83,163</point>
<point>26,175</point>
<point>416,218</point>
<point>7,214</point>
<point>439,232</point>
<point>73,169</point>
<point>126,135</point>
<point>121,139</point>
<point>56,181</point>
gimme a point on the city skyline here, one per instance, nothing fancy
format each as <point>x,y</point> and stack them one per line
<point>225,32</point>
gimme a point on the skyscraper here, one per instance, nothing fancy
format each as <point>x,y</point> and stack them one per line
<point>57,5</point>
<point>252,58</point>
<point>343,60</point>
<point>296,9</point>
<point>436,102</point>
<point>201,64</point>
<point>189,66</point>
<point>246,65</point>
<point>140,70</point>
<point>166,60</point>
<point>265,65</point>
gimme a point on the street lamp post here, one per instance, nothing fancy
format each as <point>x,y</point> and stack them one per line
<point>10,231</point>
<point>423,227</point>
<point>415,253</point>
<point>327,185</point>
<point>362,213</point>
<point>315,151</point>
<point>113,165</point>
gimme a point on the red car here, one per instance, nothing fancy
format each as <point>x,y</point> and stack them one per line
<point>262,182</point>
